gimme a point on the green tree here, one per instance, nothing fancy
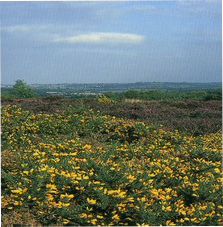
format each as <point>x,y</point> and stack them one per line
<point>131,94</point>
<point>22,90</point>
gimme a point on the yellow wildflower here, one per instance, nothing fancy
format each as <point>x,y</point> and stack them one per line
<point>91,201</point>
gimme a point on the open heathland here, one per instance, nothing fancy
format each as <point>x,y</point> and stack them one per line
<point>97,161</point>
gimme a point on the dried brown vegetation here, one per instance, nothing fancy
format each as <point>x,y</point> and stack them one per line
<point>195,117</point>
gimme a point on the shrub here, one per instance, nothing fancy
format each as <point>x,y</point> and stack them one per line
<point>104,99</point>
<point>159,178</point>
<point>22,90</point>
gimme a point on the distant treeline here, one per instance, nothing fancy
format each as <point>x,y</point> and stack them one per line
<point>203,95</point>
<point>22,90</point>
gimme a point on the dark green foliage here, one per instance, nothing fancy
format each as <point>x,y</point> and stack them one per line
<point>22,90</point>
<point>213,95</point>
<point>200,95</point>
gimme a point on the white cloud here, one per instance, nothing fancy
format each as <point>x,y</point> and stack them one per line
<point>51,33</point>
<point>18,28</point>
<point>100,37</point>
<point>33,32</point>
<point>25,28</point>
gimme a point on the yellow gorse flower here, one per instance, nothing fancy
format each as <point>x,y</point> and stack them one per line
<point>62,196</point>
<point>61,166</point>
<point>91,201</point>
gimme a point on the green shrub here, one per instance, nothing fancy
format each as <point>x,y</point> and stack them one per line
<point>160,178</point>
<point>22,90</point>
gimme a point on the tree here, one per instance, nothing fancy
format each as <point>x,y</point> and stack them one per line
<point>22,90</point>
<point>131,94</point>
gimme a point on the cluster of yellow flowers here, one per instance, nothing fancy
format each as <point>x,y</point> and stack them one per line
<point>161,178</point>
<point>104,99</point>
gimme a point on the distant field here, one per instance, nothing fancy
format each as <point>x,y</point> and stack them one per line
<point>96,88</point>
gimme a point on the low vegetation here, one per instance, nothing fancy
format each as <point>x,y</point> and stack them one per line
<point>100,161</point>
<point>190,116</point>
<point>200,95</point>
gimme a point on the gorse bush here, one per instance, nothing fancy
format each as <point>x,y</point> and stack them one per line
<point>104,99</point>
<point>132,174</point>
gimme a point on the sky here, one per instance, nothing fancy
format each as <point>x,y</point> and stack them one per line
<point>111,41</point>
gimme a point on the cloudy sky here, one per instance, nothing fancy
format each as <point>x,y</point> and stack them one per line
<point>111,42</point>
